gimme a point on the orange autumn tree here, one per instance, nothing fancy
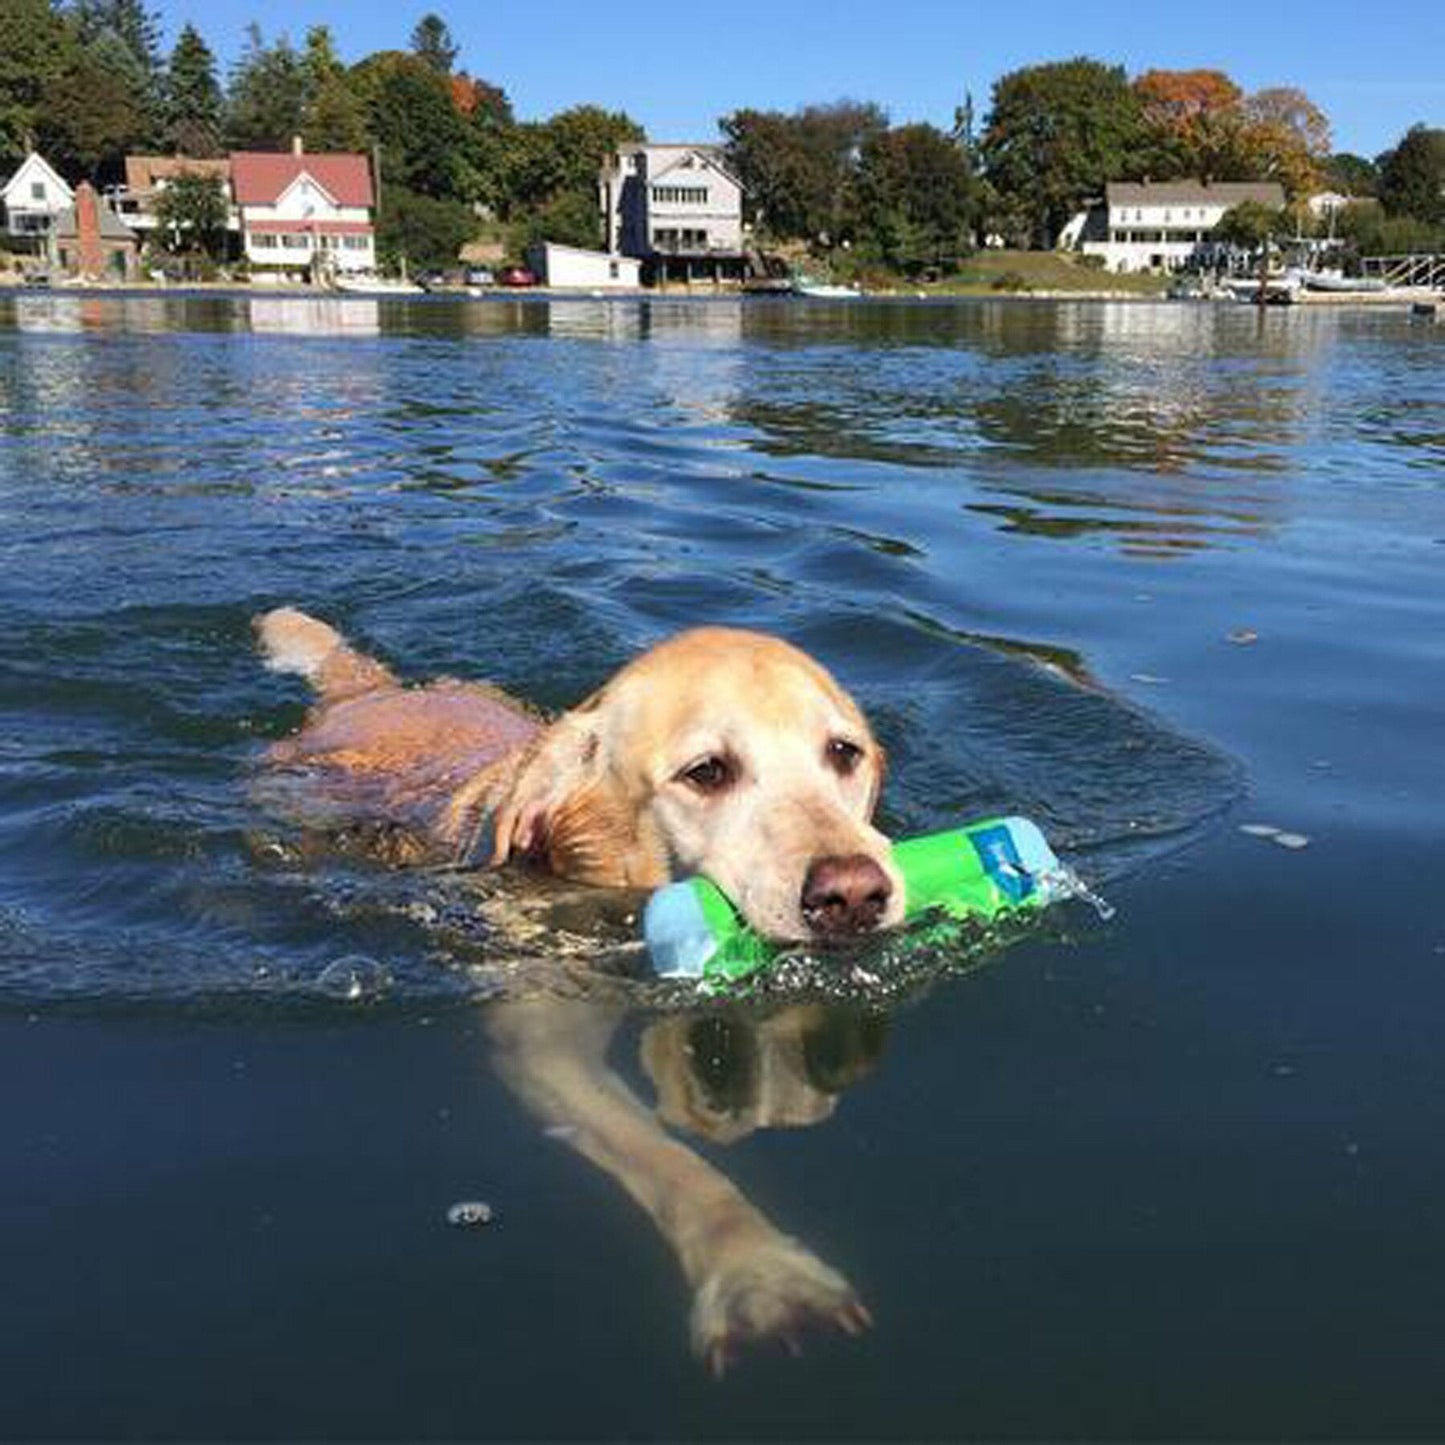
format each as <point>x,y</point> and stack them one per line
<point>1200,123</point>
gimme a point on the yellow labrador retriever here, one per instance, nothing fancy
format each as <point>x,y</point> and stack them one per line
<point>720,752</point>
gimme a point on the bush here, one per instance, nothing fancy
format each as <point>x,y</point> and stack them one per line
<point>1010,281</point>
<point>1091,262</point>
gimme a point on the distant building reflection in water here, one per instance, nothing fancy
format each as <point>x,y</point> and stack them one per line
<point>314,315</point>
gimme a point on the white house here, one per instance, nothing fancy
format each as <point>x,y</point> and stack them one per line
<point>1162,225</point>
<point>677,209</point>
<point>31,200</point>
<point>570,267</point>
<point>304,214</point>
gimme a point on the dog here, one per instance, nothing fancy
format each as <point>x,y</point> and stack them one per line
<point>722,752</point>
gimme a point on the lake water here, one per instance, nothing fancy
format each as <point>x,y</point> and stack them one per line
<point>1149,573</point>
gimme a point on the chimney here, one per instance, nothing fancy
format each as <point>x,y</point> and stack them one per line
<point>89,252</point>
<point>296,148</point>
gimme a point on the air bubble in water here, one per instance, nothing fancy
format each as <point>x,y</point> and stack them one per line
<point>353,979</point>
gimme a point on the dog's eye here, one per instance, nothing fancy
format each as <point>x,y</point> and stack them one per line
<point>843,757</point>
<point>710,775</point>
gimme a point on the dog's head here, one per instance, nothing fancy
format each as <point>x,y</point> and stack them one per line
<point>720,752</point>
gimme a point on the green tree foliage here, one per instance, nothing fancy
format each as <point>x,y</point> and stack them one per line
<point>267,101</point>
<point>191,214</point>
<point>93,111</point>
<point>799,172</point>
<point>126,35</point>
<point>1368,231</point>
<point>36,46</point>
<point>410,115</point>
<point>1055,135</point>
<point>194,105</point>
<point>423,231</point>
<point>1412,176</point>
<point>431,41</point>
<point>1351,175</point>
<point>916,198</point>
<point>1252,226</point>
<point>333,115</point>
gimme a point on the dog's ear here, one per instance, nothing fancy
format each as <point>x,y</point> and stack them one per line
<point>565,804</point>
<point>560,763</point>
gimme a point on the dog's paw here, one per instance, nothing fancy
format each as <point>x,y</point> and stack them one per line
<point>777,1290</point>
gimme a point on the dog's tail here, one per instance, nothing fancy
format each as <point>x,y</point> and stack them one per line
<point>294,642</point>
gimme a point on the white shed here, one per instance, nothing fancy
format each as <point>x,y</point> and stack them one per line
<point>571,267</point>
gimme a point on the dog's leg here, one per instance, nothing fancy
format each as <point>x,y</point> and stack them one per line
<point>749,1281</point>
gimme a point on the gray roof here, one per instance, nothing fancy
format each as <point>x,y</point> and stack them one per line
<point>112,228</point>
<point>1193,193</point>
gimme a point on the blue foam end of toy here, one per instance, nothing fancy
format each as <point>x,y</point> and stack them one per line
<point>678,937</point>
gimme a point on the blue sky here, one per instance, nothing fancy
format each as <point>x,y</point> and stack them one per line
<point>676,68</point>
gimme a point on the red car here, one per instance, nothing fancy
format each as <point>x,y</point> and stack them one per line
<point>516,276</point>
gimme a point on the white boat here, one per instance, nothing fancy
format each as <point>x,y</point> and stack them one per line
<point>377,286</point>
<point>824,290</point>
<point>1337,281</point>
<point>1280,288</point>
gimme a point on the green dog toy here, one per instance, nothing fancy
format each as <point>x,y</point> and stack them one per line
<point>986,869</point>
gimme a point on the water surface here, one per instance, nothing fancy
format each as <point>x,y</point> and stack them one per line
<point>1145,572</point>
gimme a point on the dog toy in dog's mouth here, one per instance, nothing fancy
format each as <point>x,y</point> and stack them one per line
<point>987,869</point>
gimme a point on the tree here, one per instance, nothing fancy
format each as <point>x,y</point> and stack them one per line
<point>1191,119</point>
<point>93,111</point>
<point>194,105</point>
<point>916,199</point>
<point>1412,176</point>
<point>268,94</point>
<point>1285,137</point>
<point>333,115</point>
<point>431,41</point>
<point>1055,135</point>
<point>410,115</point>
<point>191,215</point>
<point>1252,225</point>
<point>1352,175</point>
<point>36,46</point>
<point>127,35</point>
<point>799,172</point>
<point>423,231</point>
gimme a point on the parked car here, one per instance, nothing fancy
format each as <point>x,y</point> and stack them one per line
<point>516,276</point>
<point>480,276</point>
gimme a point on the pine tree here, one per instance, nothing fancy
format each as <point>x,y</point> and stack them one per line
<point>194,104</point>
<point>432,42</point>
<point>267,100</point>
<point>35,47</point>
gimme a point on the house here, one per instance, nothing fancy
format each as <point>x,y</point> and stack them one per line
<point>146,177</point>
<point>303,215</point>
<point>675,208</point>
<point>572,267</point>
<point>90,241</point>
<point>1164,225</point>
<point>30,202</point>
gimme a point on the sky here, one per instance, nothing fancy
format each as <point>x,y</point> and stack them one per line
<point>1374,70</point>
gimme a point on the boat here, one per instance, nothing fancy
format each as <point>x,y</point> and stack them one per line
<point>1280,288</point>
<point>1338,282</point>
<point>377,286</point>
<point>824,290</point>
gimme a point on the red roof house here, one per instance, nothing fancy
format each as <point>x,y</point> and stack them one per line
<point>304,214</point>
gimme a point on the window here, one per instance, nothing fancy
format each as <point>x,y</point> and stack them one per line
<point>356,243</point>
<point>37,190</point>
<point>295,242</point>
<point>679,195</point>
<point>264,243</point>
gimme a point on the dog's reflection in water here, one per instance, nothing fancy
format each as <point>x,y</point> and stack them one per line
<point>718,1075</point>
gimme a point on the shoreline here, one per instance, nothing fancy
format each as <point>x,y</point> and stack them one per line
<point>231,291</point>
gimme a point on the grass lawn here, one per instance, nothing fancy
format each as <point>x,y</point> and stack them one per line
<point>1001,272</point>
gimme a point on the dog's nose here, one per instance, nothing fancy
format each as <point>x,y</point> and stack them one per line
<point>845,894</point>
